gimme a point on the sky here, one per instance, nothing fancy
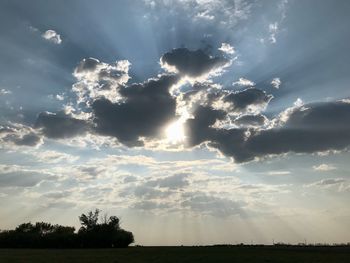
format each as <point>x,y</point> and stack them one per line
<point>195,121</point>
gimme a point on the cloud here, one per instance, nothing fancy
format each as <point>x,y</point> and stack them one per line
<point>206,204</point>
<point>225,13</point>
<point>329,183</point>
<point>257,120</point>
<point>198,129</point>
<point>194,64</point>
<point>273,30</point>
<point>278,173</point>
<point>324,167</point>
<point>276,83</point>
<point>147,192</point>
<point>130,179</point>
<point>146,108</point>
<point>59,125</point>
<point>251,100</point>
<point>175,181</point>
<point>151,205</point>
<point>57,194</point>
<point>30,139</point>
<point>4,92</point>
<point>19,135</point>
<point>17,176</point>
<point>243,82</point>
<point>227,48</point>
<point>309,128</point>
<point>204,15</point>
<point>90,172</point>
<point>53,157</point>
<point>52,36</point>
<point>229,121</point>
<point>97,79</point>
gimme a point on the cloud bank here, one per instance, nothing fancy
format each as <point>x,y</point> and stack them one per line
<point>231,121</point>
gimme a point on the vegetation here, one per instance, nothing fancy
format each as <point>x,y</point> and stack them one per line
<point>92,234</point>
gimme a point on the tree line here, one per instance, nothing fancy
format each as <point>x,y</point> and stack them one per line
<point>92,234</point>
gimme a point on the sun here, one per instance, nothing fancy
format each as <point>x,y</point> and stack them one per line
<point>175,132</point>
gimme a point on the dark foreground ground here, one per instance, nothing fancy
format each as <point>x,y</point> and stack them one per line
<point>237,254</point>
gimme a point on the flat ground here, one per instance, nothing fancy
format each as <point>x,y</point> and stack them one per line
<point>236,254</point>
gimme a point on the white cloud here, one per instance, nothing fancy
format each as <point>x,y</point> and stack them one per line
<point>98,79</point>
<point>52,36</point>
<point>276,83</point>
<point>324,167</point>
<point>231,12</point>
<point>227,48</point>
<point>278,173</point>
<point>273,30</point>
<point>330,183</point>
<point>205,15</point>
<point>284,115</point>
<point>60,97</point>
<point>4,92</point>
<point>243,82</point>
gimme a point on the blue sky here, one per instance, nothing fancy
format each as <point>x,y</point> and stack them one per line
<point>195,121</point>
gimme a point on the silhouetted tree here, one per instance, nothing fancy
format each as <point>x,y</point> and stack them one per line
<point>91,234</point>
<point>89,221</point>
<point>105,234</point>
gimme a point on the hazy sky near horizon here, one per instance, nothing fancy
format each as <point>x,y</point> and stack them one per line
<point>195,121</point>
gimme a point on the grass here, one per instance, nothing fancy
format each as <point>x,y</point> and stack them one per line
<point>218,254</point>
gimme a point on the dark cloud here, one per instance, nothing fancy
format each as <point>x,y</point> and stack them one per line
<point>60,125</point>
<point>30,139</point>
<point>310,128</point>
<point>231,142</point>
<point>198,129</point>
<point>192,63</point>
<point>142,110</point>
<point>87,65</point>
<point>248,101</point>
<point>146,108</point>
<point>251,120</point>
<point>244,99</point>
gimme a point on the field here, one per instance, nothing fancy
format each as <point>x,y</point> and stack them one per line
<point>218,254</point>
